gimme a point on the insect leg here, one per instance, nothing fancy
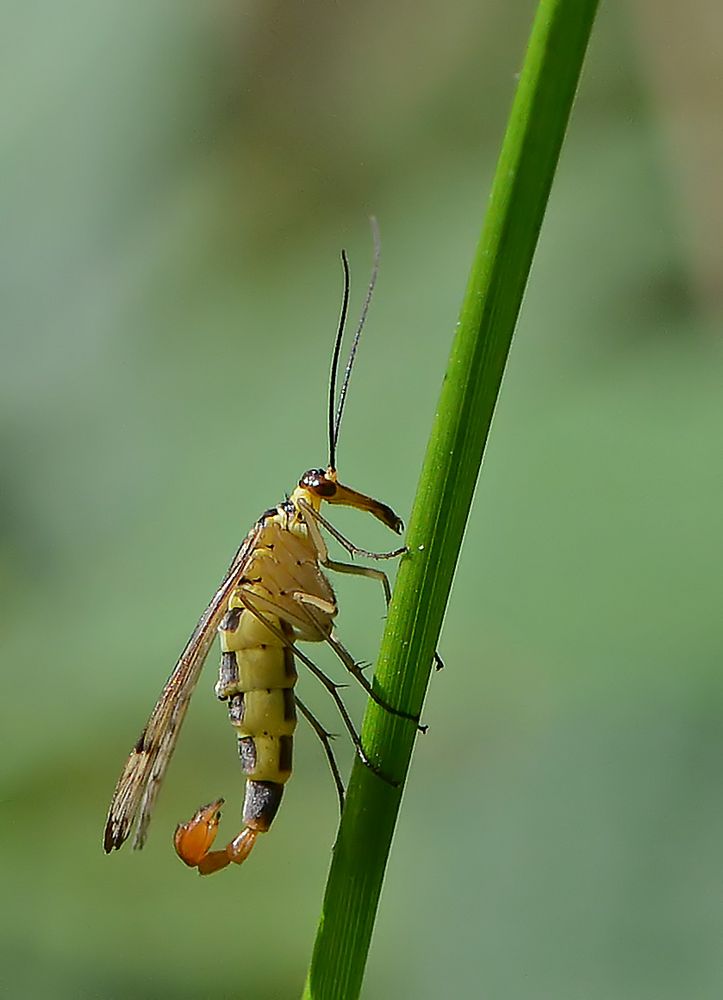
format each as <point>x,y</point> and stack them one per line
<point>356,671</point>
<point>308,602</point>
<point>312,519</point>
<point>328,683</point>
<point>323,553</point>
<point>325,738</point>
<point>352,549</point>
<point>354,570</point>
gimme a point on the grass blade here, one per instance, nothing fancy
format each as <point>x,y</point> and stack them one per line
<point>489,312</point>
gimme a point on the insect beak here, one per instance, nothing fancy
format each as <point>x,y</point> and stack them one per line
<point>347,497</point>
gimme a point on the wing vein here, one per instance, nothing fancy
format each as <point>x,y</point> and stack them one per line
<point>140,780</point>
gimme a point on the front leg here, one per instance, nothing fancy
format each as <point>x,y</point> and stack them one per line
<point>312,519</point>
<point>310,515</point>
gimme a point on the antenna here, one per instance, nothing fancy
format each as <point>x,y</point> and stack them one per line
<point>333,432</point>
<point>335,425</point>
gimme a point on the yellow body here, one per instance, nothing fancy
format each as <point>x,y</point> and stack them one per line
<point>273,595</point>
<point>287,589</point>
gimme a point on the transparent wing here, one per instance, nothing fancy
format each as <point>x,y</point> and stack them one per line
<point>141,778</point>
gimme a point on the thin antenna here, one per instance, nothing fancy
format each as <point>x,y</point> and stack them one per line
<point>360,326</point>
<point>333,433</point>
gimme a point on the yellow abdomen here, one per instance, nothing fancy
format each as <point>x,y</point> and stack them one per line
<point>257,677</point>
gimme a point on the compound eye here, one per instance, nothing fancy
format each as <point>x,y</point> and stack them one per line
<point>316,480</point>
<point>311,479</point>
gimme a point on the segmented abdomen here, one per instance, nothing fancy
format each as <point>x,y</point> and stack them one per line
<point>257,677</point>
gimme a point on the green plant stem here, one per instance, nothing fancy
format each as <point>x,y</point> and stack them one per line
<point>489,312</point>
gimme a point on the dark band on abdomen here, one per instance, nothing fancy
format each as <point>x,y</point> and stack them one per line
<point>286,752</point>
<point>228,672</point>
<point>247,753</point>
<point>289,665</point>
<point>261,804</point>
<point>229,622</point>
<point>289,705</point>
<point>236,708</point>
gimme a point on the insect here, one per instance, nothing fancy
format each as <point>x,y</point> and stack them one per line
<point>274,594</point>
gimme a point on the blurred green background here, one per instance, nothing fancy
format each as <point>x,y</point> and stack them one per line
<point>177,181</point>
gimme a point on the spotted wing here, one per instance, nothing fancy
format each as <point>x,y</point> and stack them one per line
<point>141,778</point>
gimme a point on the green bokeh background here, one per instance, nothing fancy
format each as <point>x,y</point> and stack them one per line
<point>177,181</point>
